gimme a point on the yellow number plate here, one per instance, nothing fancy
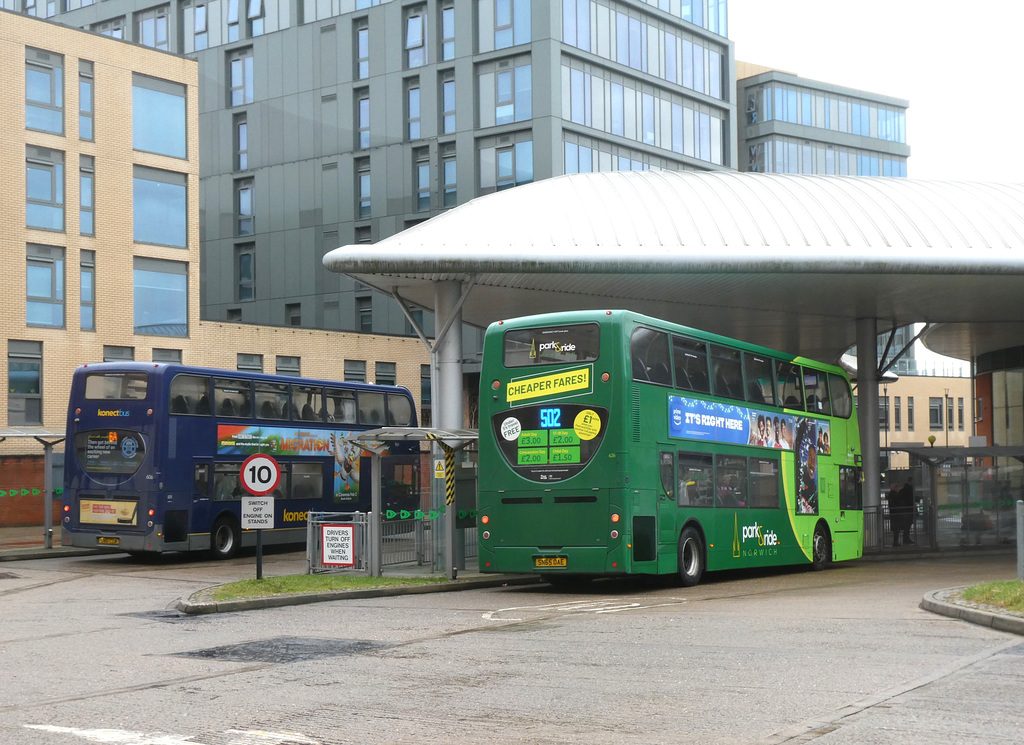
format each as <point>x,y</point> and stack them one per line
<point>550,561</point>
<point>105,541</point>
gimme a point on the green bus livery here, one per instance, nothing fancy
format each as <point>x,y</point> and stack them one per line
<point>613,444</point>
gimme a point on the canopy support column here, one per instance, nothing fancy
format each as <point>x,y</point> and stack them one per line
<point>867,411</point>
<point>446,389</point>
<point>48,489</point>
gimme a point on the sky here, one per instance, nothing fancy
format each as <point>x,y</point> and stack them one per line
<point>955,62</point>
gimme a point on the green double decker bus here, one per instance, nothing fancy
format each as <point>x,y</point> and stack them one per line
<point>612,443</point>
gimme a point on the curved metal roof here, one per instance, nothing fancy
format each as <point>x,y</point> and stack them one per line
<point>787,261</point>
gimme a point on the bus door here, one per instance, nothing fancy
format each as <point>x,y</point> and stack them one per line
<point>202,489</point>
<point>667,509</point>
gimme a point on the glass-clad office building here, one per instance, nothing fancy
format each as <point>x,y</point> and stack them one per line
<point>330,122</point>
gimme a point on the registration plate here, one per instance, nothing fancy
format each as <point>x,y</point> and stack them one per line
<point>106,541</point>
<point>551,561</point>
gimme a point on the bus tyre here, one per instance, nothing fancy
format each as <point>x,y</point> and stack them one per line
<point>224,538</point>
<point>821,548</point>
<point>691,557</point>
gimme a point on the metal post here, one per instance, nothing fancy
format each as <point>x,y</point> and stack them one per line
<point>867,399</point>
<point>376,543</point>
<point>48,494</point>
<point>1020,540</point>
<point>447,398</point>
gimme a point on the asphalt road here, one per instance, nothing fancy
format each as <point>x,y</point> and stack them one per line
<point>92,650</point>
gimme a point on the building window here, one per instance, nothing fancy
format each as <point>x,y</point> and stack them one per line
<point>935,406</point>
<point>254,14</point>
<point>24,382</point>
<point>245,220</point>
<point>416,37</point>
<point>151,28</point>
<point>362,234</point>
<point>233,20</point>
<point>363,118</point>
<point>293,314</point>
<point>241,65</point>
<point>170,356</point>
<point>421,171</point>
<point>449,188</point>
<point>114,28</point>
<point>241,142</point>
<point>425,417</point>
<point>160,290</point>
<point>384,372</point>
<point>44,285</point>
<point>364,314</point>
<point>506,92</point>
<point>883,413</point>
<point>40,8</point>
<point>44,91</point>
<point>896,410</point>
<point>362,43</point>
<point>87,309</point>
<point>85,100</point>
<point>159,207</point>
<point>250,362</point>
<point>287,365</point>
<point>363,188</point>
<point>412,97</point>
<point>245,263</point>
<point>158,116</point>
<point>86,194</point>
<point>506,165</point>
<point>960,414</point>
<point>118,354</point>
<point>200,29</point>
<point>910,413</point>
<point>509,20</point>
<point>448,32</point>
<point>949,412</point>
<point>355,371</point>
<point>44,197</point>
<point>448,105</point>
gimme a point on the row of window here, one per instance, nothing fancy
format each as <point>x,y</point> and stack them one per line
<point>777,154</point>
<point>159,198</point>
<point>159,292</point>
<point>597,26</point>
<point>303,480</point>
<point>158,106</point>
<point>738,482</point>
<point>236,397</point>
<point>702,367</point>
<point>939,409</point>
<point>796,105</point>
<point>642,113</point>
<point>587,155</point>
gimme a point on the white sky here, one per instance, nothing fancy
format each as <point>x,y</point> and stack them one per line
<point>955,62</point>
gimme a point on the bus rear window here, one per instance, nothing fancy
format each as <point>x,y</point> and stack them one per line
<point>116,386</point>
<point>552,345</point>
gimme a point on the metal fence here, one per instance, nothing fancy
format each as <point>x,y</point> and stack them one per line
<point>405,543</point>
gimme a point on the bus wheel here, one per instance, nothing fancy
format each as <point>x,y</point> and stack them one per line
<point>821,555</point>
<point>224,538</point>
<point>691,557</point>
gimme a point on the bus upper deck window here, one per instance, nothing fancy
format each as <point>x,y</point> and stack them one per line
<point>121,386</point>
<point>371,408</point>
<point>400,413</point>
<point>340,406</point>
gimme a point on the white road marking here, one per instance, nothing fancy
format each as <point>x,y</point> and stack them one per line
<point>128,737</point>
<point>600,605</point>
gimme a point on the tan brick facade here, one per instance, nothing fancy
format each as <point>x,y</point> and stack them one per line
<point>210,344</point>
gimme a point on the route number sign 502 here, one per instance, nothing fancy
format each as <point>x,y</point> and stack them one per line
<point>260,474</point>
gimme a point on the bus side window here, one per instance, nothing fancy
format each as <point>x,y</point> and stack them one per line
<point>760,379</point>
<point>730,481</point>
<point>649,351</point>
<point>690,362</point>
<point>202,479</point>
<point>400,412</point>
<point>307,481</point>
<point>232,397</point>
<point>307,403</point>
<point>371,408</point>
<point>226,482</point>
<point>816,391</point>
<point>341,406</point>
<point>840,395</point>
<point>790,391</point>
<point>764,483</point>
<point>695,480</point>
<point>271,400</point>
<point>726,372</point>
<point>668,474</point>
<point>185,391</point>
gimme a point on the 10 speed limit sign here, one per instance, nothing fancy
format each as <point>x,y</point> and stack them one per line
<point>260,474</point>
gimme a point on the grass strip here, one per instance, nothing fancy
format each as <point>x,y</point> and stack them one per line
<point>297,584</point>
<point>1009,595</point>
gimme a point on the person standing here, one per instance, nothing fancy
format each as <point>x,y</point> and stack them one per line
<point>909,505</point>
<point>895,512</point>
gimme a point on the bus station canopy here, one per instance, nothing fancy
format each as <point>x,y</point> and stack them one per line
<point>790,262</point>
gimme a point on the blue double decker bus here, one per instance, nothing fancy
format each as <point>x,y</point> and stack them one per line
<point>154,454</point>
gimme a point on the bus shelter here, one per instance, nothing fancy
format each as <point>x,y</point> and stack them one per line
<point>446,442</point>
<point>48,439</point>
<point>964,497</point>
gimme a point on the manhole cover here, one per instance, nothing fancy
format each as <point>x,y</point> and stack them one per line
<point>286,649</point>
